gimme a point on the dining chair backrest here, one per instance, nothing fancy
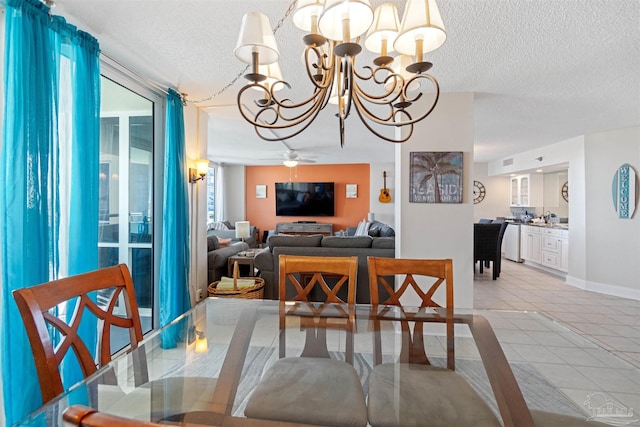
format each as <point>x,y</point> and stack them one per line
<point>312,272</point>
<point>424,277</point>
<point>98,293</point>
<point>381,269</point>
<point>83,416</point>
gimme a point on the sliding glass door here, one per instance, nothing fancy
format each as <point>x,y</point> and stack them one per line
<point>127,189</point>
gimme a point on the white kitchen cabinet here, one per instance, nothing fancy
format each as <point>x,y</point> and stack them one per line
<point>527,190</point>
<point>531,244</point>
<point>548,247</point>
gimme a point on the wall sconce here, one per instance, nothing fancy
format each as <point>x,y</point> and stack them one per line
<point>201,342</point>
<point>243,230</point>
<point>200,171</point>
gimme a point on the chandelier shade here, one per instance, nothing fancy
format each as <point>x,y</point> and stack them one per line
<point>343,20</point>
<point>256,36</point>
<point>421,21</point>
<point>383,30</point>
<point>307,14</point>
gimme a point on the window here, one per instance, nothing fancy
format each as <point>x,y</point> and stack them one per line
<point>211,192</point>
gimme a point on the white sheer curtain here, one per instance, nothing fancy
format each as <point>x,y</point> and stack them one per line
<point>220,212</point>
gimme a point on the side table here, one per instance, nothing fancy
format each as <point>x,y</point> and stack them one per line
<point>241,260</point>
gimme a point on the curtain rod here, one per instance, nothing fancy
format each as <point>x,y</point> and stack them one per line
<point>138,76</point>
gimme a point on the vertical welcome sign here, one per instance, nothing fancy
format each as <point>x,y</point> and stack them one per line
<point>624,191</point>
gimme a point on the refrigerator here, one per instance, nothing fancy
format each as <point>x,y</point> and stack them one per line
<point>511,242</point>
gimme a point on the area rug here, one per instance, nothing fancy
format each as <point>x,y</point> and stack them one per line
<point>537,391</point>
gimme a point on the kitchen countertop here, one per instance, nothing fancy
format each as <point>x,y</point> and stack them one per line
<point>556,226</point>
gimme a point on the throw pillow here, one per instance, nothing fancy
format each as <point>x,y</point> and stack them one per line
<point>363,228</point>
<point>386,231</point>
<point>228,225</point>
<point>218,225</point>
<point>224,242</point>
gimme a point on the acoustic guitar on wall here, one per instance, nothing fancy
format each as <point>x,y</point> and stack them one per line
<point>385,195</point>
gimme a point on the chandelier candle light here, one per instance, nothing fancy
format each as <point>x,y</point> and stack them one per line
<point>334,28</point>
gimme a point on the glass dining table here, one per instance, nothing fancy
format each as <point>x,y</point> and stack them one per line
<point>237,340</point>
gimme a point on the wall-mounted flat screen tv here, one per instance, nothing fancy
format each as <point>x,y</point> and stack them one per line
<point>304,199</point>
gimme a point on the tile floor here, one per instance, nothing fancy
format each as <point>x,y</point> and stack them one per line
<point>603,359</point>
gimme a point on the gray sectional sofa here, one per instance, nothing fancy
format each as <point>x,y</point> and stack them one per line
<point>267,260</point>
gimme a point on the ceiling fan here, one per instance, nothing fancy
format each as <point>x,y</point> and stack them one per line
<point>291,158</point>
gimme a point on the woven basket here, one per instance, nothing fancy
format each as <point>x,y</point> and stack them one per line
<point>252,292</point>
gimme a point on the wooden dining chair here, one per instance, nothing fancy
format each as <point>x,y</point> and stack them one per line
<point>430,395</point>
<point>84,416</point>
<point>97,293</point>
<point>314,388</point>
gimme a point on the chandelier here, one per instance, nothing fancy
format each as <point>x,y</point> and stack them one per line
<point>334,29</point>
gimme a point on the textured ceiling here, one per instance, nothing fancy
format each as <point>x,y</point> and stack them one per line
<point>542,71</point>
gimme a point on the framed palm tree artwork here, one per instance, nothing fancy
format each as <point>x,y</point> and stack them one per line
<point>435,177</point>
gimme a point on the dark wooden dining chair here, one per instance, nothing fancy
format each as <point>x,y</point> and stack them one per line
<point>314,388</point>
<point>486,246</point>
<point>430,395</point>
<point>98,293</point>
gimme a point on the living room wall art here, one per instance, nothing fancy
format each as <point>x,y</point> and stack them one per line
<point>352,191</point>
<point>435,177</point>
<point>261,191</point>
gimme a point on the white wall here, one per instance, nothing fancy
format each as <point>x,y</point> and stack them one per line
<point>496,201</point>
<point>428,230</point>
<point>195,126</point>
<point>383,211</point>
<point>613,244</point>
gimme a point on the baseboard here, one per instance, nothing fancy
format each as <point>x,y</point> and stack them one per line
<point>553,271</point>
<point>604,288</point>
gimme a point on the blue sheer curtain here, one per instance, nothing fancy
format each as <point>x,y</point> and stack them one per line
<point>30,203</point>
<point>174,261</point>
<point>81,115</point>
